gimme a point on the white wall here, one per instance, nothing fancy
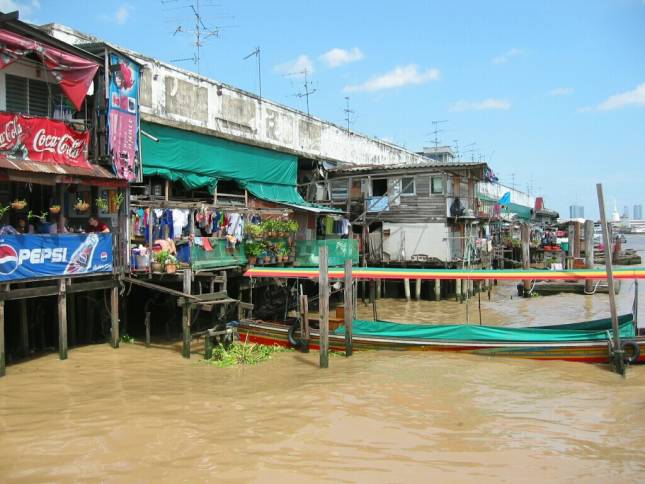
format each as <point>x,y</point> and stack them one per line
<point>419,238</point>
<point>174,95</point>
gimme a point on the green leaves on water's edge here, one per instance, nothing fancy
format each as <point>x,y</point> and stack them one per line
<point>243,354</point>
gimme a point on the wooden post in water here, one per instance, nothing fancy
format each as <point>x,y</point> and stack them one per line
<point>147,325</point>
<point>589,259</point>
<point>571,236</point>
<point>186,314</point>
<point>458,290</point>
<point>437,289</point>
<point>305,323</point>
<point>114,311</point>
<point>3,371</point>
<point>24,328</point>
<point>62,319</point>
<point>406,288</point>
<point>417,289</point>
<point>71,315</point>
<point>617,358</point>
<point>323,303</point>
<point>526,256</point>
<point>349,309</point>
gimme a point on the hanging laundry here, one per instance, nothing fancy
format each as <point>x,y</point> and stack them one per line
<point>179,221</point>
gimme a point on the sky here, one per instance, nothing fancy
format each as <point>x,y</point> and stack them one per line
<point>552,92</point>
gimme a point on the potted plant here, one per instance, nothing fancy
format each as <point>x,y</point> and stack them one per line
<point>102,204</point>
<point>3,210</point>
<point>266,256</point>
<point>170,264</point>
<point>253,250</point>
<point>159,260</point>
<point>281,251</point>
<point>54,209</point>
<point>269,227</point>
<point>254,231</point>
<point>292,226</point>
<point>18,204</point>
<point>81,205</point>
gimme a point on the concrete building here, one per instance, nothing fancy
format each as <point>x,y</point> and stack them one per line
<point>638,212</point>
<point>576,211</point>
<point>440,154</point>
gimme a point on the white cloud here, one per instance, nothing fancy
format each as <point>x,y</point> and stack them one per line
<point>399,77</point>
<point>296,66</point>
<point>561,91</point>
<point>122,14</point>
<point>508,55</point>
<point>337,57</point>
<point>490,103</point>
<point>24,7</point>
<point>635,97</point>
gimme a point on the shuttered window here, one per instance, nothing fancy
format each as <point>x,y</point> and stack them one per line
<point>30,96</point>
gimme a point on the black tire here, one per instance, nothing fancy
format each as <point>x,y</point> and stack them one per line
<point>635,353</point>
<point>291,334</point>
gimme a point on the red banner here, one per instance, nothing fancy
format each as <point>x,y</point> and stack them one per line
<point>43,140</point>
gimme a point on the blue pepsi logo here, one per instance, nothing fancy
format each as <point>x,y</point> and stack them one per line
<point>8,259</point>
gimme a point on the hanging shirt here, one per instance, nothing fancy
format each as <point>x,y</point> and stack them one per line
<point>179,220</point>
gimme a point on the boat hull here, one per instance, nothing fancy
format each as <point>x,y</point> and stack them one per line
<point>267,333</point>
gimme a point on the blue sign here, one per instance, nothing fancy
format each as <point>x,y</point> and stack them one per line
<point>34,256</point>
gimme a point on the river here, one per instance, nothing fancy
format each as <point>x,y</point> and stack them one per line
<point>141,414</point>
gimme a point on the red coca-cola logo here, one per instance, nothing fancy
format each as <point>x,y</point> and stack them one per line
<point>63,145</point>
<point>12,130</point>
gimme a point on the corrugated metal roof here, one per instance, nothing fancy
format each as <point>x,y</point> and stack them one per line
<point>411,166</point>
<point>55,169</point>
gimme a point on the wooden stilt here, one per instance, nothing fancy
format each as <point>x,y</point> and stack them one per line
<point>186,314</point>
<point>24,328</point>
<point>323,302</point>
<point>349,310</point>
<point>305,323</point>
<point>617,359</point>
<point>458,290</point>
<point>62,319</point>
<point>570,237</point>
<point>2,349</point>
<point>417,289</point>
<point>147,325</point>
<point>589,256</point>
<point>379,292</point>
<point>114,313</point>
<point>526,261</point>
<point>406,288</point>
<point>208,346</point>
<point>71,316</point>
<point>437,289</point>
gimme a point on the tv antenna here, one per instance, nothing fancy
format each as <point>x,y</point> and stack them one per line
<point>307,85</point>
<point>470,149</point>
<point>456,142</point>
<point>348,112</point>
<point>436,131</point>
<point>201,33</point>
<point>257,54</point>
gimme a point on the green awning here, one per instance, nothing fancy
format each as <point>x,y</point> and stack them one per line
<point>199,161</point>
<point>525,213</point>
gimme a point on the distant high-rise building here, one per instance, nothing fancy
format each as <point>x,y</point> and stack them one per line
<point>576,211</point>
<point>638,212</point>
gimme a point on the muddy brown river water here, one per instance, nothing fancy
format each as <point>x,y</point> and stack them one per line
<point>137,414</point>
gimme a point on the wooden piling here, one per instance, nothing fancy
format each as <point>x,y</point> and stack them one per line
<point>406,288</point>
<point>208,346</point>
<point>147,325</point>
<point>589,256</point>
<point>458,290</point>
<point>305,323</point>
<point>62,319</point>
<point>379,285</point>
<point>526,255</point>
<point>417,289</point>
<point>617,358</point>
<point>24,328</point>
<point>71,316</point>
<point>349,310</point>
<point>186,314</point>
<point>323,302</point>
<point>114,312</point>
<point>3,371</point>
<point>437,289</point>
<point>571,229</point>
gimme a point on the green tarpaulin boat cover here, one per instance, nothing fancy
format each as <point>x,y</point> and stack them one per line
<point>199,161</point>
<point>587,331</point>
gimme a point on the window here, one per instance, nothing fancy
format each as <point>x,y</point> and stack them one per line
<point>407,186</point>
<point>436,185</point>
<point>379,187</point>
<point>33,97</point>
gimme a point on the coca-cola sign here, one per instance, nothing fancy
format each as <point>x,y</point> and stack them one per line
<point>44,140</point>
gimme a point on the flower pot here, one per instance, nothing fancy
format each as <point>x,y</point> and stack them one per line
<point>18,204</point>
<point>252,260</point>
<point>267,259</point>
<point>171,268</point>
<point>54,210</point>
<point>156,267</point>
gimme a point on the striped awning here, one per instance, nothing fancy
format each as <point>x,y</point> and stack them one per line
<point>366,273</point>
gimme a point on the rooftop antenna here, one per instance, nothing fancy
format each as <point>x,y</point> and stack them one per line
<point>436,131</point>
<point>456,142</point>
<point>348,112</point>
<point>307,92</point>
<point>256,53</point>
<point>200,33</point>
<point>471,150</point>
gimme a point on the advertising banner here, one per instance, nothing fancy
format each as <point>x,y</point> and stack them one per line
<point>44,140</point>
<point>34,256</point>
<point>123,117</point>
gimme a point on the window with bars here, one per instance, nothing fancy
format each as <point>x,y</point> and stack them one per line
<point>33,97</point>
